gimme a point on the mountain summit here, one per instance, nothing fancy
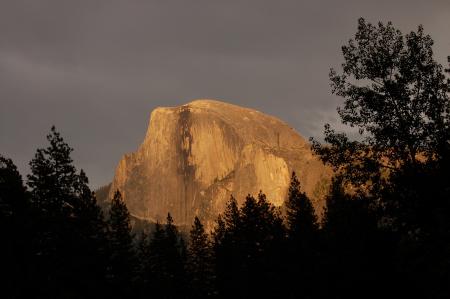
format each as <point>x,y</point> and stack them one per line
<point>196,155</point>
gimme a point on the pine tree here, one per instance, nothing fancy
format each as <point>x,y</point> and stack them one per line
<point>300,215</point>
<point>144,267</point>
<point>336,215</point>
<point>158,270</point>
<point>273,239</point>
<point>227,250</point>
<point>219,232</point>
<point>221,252</point>
<point>69,224</point>
<point>167,257</point>
<point>271,218</point>
<point>13,195</point>
<point>259,238</point>
<point>175,255</point>
<point>231,215</point>
<point>261,222</point>
<point>15,230</point>
<point>91,233</point>
<point>354,247</point>
<point>199,262</point>
<point>122,262</point>
<point>52,178</point>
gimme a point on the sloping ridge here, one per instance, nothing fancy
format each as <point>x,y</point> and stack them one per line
<point>196,155</point>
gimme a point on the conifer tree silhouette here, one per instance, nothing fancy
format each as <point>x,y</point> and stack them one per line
<point>303,241</point>
<point>200,262</point>
<point>122,256</point>
<point>300,215</point>
<point>69,225</point>
<point>167,259</point>
<point>16,231</point>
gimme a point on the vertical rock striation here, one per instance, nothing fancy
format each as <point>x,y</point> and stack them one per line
<point>196,155</point>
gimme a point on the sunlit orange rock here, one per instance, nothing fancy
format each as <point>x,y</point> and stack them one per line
<point>196,155</point>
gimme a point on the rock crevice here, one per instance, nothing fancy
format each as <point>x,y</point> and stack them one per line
<point>195,156</point>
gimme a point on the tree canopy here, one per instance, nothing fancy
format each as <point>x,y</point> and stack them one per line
<point>395,95</point>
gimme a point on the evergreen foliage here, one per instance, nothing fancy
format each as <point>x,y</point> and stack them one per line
<point>15,230</point>
<point>68,247</point>
<point>200,264</point>
<point>167,261</point>
<point>122,256</point>
<point>303,236</point>
<point>354,250</point>
<point>384,232</point>
<point>300,215</point>
<point>247,247</point>
<point>231,215</point>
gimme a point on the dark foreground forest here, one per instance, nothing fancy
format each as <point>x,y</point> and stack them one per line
<point>385,231</point>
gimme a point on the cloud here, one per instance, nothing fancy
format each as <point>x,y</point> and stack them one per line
<point>96,69</point>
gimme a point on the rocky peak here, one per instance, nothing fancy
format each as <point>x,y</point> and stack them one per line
<point>196,155</point>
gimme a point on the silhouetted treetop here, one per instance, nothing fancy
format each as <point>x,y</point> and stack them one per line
<point>12,190</point>
<point>122,255</point>
<point>395,94</point>
<point>231,214</point>
<point>300,214</point>
<point>200,262</point>
<point>53,176</point>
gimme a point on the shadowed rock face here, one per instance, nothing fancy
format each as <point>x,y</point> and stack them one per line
<point>196,155</point>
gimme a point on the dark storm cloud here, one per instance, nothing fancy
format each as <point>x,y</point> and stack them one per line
<point>96,69</point>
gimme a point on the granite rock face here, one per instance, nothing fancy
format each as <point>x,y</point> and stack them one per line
<point>195,156</point>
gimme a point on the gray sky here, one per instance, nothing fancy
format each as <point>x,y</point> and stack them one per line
<point>96,69</point>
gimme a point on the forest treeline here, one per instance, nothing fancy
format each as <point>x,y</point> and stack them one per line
<point>385,231</point>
